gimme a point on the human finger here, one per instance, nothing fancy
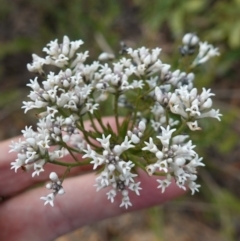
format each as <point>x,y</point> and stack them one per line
<point>81,205</point>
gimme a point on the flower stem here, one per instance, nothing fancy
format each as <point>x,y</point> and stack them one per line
<point>98,118</point>
<point>85,134</point>
<point>67,164</point>
<point>116,111</point>
<point>65,173</point>
<point>180,129</point>
<point>70,151</point>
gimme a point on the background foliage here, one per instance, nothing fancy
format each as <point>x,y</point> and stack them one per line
<point>26,26</point>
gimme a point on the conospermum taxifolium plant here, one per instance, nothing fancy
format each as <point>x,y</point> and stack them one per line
<point>152,105</point>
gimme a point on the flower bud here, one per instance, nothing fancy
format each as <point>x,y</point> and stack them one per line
<point>61,191</point>
<point>54,177</point>
<point>190,39</point>
<point>105,56</point>
<point>142,126</point>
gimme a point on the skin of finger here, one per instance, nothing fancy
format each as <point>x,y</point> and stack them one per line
<point>26,218</point>
<point>12,183</point>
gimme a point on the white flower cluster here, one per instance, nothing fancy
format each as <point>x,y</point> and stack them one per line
<point>188,104</point>
<point>33,150</point>
<point>117,172</point>
<point>153,98</point>
<point>56,186</point>
<point>206,50</point>
<point>176,158</point>
<point>58,55</point>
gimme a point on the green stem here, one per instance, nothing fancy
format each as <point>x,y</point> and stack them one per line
<point>61,111</point>
<point>160,174</point>
<point>97,116</point>
<point>147,92</point>
<point>167,116</point>
<point>65,173</point>
<point>93,123</point>
<point>116,111</point>
<point>136,109</point>
<point>70,151</point>
<point>180,129</point>
<point>137,163</point>
<point>85,134</point>
<point>67,164</point>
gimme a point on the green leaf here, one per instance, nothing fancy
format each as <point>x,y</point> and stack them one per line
<point>194,6</point>
<point>177,23</point>
<point>234,35</point>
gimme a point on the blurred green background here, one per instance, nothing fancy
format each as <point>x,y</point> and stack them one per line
<point>26,26</point>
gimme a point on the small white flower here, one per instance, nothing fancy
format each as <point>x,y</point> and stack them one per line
<point>44,143</point>
<point>193,126</point>
<point>105,143</point>
<point>206,93</point>
<point>162,165</point>
<point>196,161</point>
<point>126,202</point>
<point>135,187</point>
<point>206,51</point>
<point>163,184</point>
<point>38,167</point>
<point>31,156</point>
<point>48,199</point>
<point>111,195</point>
<point>128,177</point>
<point>212,113</point>
<point>37,64</point>
<point>194,187</point>
<point>89,152</point>
<point>194,110</point>
<point>166,135</point>
<point>103,178</point>
<point>125,167</point>
<point>91,107</point>
<point>137,84</point>
<point>150,146</point>
<point>156,125</point>
<point>97,161</point>
<point>17,164</point>
<point>126,144</point>
<point>151,169</point>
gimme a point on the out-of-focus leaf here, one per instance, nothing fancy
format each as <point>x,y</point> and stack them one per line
<point>193,6</point>
<point>176,22</point>
<point>7,97</point>
<point>234,35</point>
<point>228,143</point>
<point>216,34</point>
<point>227,200</point>
<point>19,44</point>
<point>237,2</point>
